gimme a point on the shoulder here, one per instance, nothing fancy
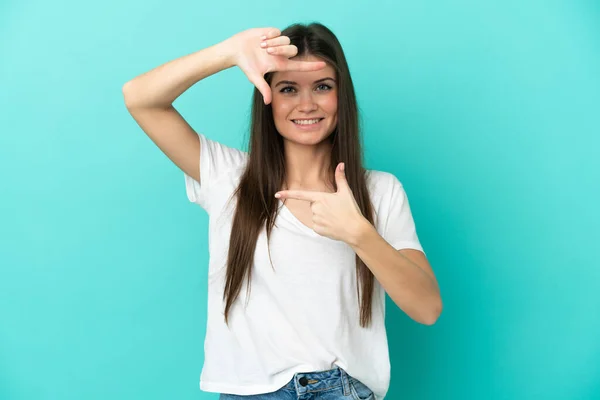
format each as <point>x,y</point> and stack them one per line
<point>386,191</point>
<point>381,182</point>
<point>220,159</point>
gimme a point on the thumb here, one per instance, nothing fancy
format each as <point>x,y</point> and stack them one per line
<point>263,87</point>
<point>340,178</point>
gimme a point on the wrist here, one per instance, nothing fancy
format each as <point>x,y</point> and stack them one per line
<point>359,232</point>
<point>227,52</point>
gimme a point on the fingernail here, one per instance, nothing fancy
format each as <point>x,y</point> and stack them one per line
<point>277,195</point>
<point>270,50</point>
<point>342,167</point>
<point>263,44</point>
<point>263,37</point>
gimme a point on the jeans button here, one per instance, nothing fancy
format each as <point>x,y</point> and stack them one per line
<point>303,381</point>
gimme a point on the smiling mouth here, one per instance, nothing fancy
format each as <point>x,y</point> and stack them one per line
<point>307,122</point>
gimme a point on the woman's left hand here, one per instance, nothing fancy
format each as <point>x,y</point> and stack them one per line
<point>335,215</point>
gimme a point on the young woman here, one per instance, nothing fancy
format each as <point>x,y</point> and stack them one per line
<point>318,238</point>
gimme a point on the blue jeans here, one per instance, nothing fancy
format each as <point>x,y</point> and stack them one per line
<point>334,384</point>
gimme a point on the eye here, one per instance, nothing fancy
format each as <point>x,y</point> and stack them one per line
<point>284,89</point>
<point>325,85</point>
<point>292,89</point>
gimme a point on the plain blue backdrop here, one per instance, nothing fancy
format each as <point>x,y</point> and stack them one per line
<point>488,112</point>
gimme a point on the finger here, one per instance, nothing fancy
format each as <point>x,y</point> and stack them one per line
<point>299,195</point>
<point>270,33</point>
<point>293,65</point>
<point>263,87</point>
<point>278,41</point>
<point>285,51</point>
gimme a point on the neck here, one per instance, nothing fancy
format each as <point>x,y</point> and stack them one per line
<point>307,166</point>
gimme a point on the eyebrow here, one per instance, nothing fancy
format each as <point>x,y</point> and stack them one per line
<point>294,83</point>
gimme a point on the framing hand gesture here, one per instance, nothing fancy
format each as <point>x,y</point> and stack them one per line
<point>261,50</point>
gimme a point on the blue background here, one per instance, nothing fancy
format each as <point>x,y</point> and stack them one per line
<point>488,112</point>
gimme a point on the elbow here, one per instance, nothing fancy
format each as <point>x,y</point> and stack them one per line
<point>131,96</point>
<point>432,314</point>
<point>126,90</point>
<point>136,99</point>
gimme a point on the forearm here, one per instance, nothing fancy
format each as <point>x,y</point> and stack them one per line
<point>159,87</point>
<point>407,284</point>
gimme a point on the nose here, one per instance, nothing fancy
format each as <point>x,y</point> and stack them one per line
<point>306,102</point>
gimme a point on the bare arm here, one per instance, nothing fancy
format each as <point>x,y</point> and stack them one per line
<point>149,99</point>
<point>405,275</point>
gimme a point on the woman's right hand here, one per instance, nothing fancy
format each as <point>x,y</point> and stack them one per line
<point>255,61</point>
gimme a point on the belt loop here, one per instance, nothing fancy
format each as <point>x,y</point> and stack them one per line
<point>345,382</point>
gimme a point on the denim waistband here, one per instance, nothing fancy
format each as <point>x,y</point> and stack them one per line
<point>310,382</point>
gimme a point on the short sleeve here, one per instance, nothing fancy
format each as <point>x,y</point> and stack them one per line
<point>216,160</point>
<point>399,227</point>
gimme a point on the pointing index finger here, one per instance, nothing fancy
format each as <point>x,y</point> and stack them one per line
<point>298,195</point>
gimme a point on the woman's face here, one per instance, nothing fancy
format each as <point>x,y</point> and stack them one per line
<point>300,98</point>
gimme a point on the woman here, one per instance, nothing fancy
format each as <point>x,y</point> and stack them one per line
<point>320,239</point>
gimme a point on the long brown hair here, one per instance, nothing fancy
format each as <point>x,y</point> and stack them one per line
<point>265,172</point>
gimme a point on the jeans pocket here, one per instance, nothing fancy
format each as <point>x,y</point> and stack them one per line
<point>360,391</point>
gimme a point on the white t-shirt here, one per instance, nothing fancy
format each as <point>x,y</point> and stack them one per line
<point>303,315</point>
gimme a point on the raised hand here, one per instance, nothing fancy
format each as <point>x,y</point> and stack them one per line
<point>261,50</point>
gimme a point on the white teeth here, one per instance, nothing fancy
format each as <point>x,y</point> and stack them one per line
<point>306,121</point>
